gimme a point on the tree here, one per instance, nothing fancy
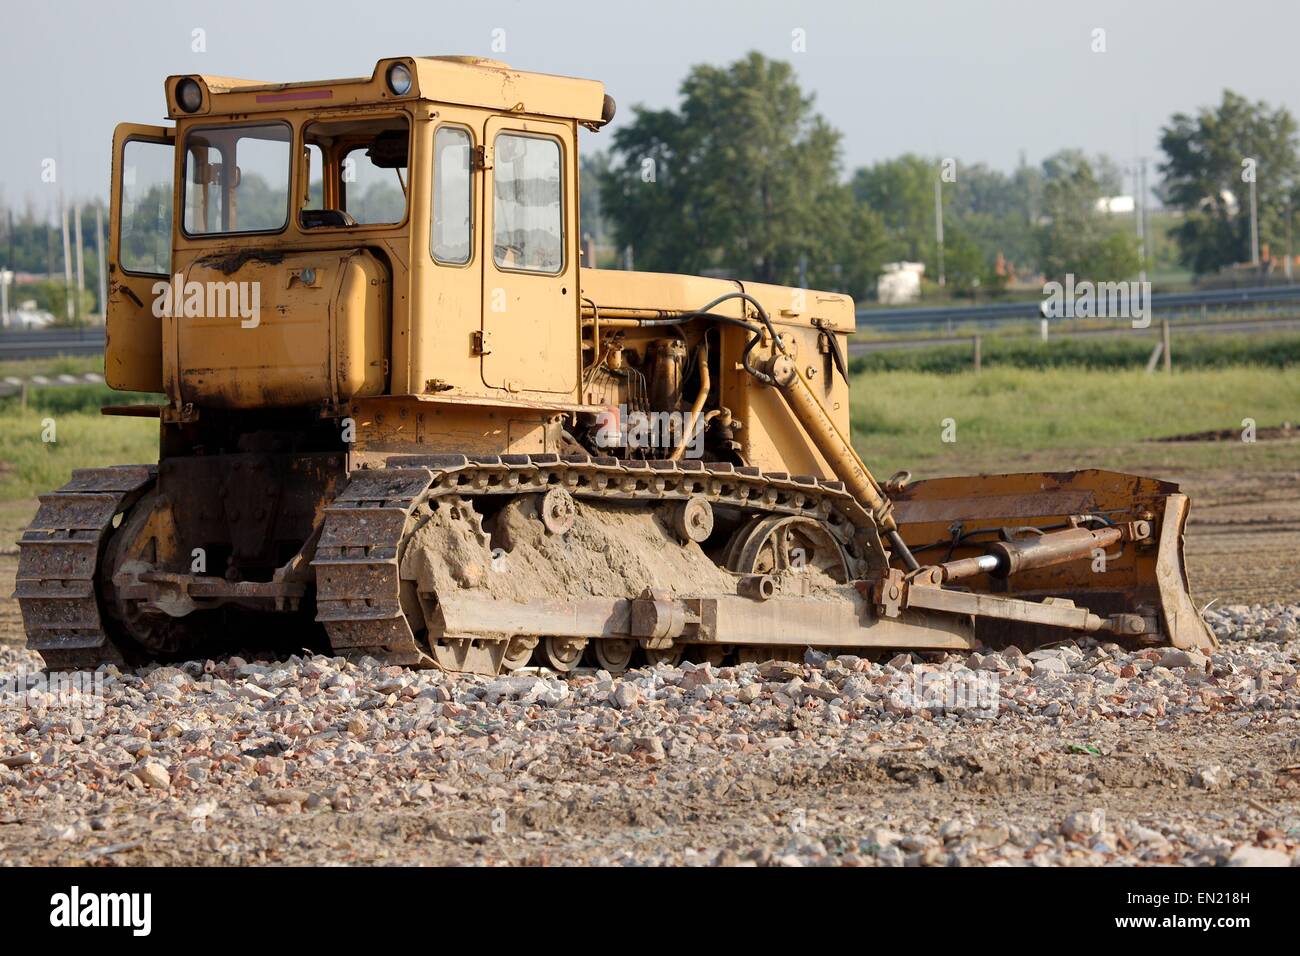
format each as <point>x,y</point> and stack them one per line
<point>1075,237</point>
<point>901,191</point>
<point>965,266</point>
<point>592,169</point>
<point>1204,175</point>
<point>742,180</point>
<point>995,211</point>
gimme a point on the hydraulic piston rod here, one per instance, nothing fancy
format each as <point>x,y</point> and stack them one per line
<point>1055,547</point>
<point>837,450</point>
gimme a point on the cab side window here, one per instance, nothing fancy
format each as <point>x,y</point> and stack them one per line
<point>145,235</point>
<point>452,235</point>
<point>527,209</point>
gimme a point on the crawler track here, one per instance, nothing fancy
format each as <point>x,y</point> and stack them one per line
<point>58,563</point>
<point>358,587</point>
<point>356,559</point>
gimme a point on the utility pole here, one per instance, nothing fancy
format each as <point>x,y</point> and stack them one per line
<point>67,256</point>
<point>1148,246</point>
<point>99,251</point>
<point>7,274</point>
<point>49,248</point>
<point>1139,213</point>
<point>81,264</point>
<point>938,225</point>
<point>1254,226</point>
<point>1288,239</point>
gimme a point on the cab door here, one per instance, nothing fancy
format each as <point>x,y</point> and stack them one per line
<point>140,254</point>
<point>530,333</point>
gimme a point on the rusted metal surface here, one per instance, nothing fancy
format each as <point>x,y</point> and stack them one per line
<point>1182,622</point>
<point>953,520</point>
<point>611,479</point>
<point>1005,558</point>
<point>843,623</point>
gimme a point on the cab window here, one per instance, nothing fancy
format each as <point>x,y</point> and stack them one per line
<point>452,234</point>
<point>527,208</point>
<point>145,234</point>
<point>237,179</point>
<point>356,173</point>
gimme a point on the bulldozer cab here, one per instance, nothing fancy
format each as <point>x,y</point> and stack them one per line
<point>390,241</point>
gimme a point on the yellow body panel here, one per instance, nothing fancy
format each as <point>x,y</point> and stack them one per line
<point>458,80</point>
<point>530,319</point>
<point>133,358</point>
<point>319,335</point>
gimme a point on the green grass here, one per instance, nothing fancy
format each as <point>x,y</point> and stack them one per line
<point>30,466</point>
<point>1005,417</point>
<point>84,438</point>
<point>1088,417</point>
<point>58,365</point>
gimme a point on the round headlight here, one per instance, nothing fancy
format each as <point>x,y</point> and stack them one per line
<point>189,96</point>
<point>399,79</point>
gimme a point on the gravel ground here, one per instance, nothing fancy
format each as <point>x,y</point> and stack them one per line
<point>1081,754</point>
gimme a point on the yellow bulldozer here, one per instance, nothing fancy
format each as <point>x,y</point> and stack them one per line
<point>403,418</point>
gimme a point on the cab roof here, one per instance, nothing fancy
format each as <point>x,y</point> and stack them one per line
<point>459,80</point>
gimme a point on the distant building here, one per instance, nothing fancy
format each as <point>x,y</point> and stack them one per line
<point>27,316</point>
<point>1116,205</point>
<point>900,283</point>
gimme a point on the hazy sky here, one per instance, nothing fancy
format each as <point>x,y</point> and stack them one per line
<point>981,80</point>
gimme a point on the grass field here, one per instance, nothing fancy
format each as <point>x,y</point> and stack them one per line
<point>29,465</point>
<point>60,365</point>
<point>83,438</point>
<point>1083,416</point>
<point>1092,417</point>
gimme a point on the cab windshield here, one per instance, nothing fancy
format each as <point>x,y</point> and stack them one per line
<point>237,179</point>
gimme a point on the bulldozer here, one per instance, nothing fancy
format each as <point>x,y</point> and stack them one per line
<point>404,418</point>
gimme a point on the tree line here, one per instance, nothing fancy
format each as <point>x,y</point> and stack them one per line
<point>33,244</point>
<point>744,178</point>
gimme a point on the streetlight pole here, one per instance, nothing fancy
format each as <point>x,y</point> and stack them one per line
<point>938,225</point>
<point>1288,239</point>
<point>1254,227</point>
<point>1139,214</point>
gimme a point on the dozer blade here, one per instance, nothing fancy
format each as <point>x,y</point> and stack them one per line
<point>948,519</point>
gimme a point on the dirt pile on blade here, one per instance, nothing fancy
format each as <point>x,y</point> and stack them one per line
<point>611,551</point>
